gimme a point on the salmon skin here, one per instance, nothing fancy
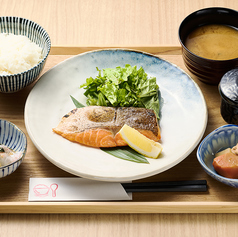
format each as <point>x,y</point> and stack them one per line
<point>98,126</point>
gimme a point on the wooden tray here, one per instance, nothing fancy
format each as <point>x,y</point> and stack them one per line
<point>14,188</point>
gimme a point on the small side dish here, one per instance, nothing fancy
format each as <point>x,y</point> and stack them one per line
<point>13,147</point>
<point>226,162</point>
<point>214,145</point>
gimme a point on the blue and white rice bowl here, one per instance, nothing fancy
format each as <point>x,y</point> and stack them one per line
<point>38,35</point>
<point>221,138</point>
<point>15,139</point>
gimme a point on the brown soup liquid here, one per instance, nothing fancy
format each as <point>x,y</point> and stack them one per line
<point>217,42</point>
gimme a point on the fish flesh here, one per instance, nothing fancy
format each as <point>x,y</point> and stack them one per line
<point>98,126</point>
<point>8,156</point>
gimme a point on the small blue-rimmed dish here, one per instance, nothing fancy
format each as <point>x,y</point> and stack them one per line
<point>21,26</point>
<point>221,138</point>
<point>15,139</point>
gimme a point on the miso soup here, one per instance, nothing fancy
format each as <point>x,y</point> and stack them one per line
<point>217,42</point>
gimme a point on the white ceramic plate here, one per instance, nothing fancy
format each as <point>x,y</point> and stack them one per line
<point>183,120</point>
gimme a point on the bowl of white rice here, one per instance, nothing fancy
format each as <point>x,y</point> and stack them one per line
<point>13,147</point>
<point>24,48</point>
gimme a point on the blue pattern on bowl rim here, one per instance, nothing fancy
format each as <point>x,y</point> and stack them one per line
<point>14,138</point>
<point>220,139</point>
<point>38,35</point>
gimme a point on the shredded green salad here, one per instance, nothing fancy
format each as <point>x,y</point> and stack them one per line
<point>122,87</point>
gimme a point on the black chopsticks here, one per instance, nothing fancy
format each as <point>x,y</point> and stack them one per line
<point>167,186</point>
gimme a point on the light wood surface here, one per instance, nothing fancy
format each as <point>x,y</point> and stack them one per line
<point>106,23</point>
<point>110,22</point>
<point>214,200</point>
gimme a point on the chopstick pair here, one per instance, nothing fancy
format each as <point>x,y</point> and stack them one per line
<point>168,186</point>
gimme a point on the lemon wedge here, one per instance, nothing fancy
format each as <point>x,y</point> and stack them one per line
<point>140,143</point>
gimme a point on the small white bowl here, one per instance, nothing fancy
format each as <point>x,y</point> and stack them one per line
<point>221,138</point>
<point>15,139</point>
<point>25,27</point>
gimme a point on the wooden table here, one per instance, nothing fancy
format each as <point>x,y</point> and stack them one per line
<point>142,24</point>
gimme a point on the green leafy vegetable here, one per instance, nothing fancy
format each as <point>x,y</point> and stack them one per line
<point>125,153</point>
<point>122,87</point>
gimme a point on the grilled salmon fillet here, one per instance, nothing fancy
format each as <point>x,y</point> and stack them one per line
<point>98,126</point>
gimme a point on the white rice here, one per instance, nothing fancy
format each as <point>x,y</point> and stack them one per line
<point>17,54</point>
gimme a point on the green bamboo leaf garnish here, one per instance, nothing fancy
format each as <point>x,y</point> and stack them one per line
<point>77,103</point>
<point>125,153</point>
